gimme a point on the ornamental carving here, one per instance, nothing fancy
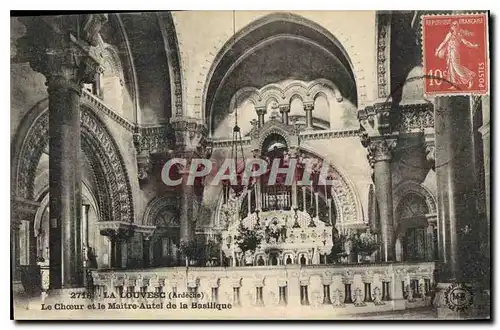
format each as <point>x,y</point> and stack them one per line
<point>383,53</point>
<point>114,192</point>
<point>413,187</point>
<point>190,135</point>
<point>376,120</point>
<point>164,209</point>
<point>415,118</point>
<point>381,149</point>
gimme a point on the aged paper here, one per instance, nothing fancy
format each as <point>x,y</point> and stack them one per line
<point>251,165</point>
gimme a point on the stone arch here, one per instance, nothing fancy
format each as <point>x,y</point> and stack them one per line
<point>156,206</point>
<point>249,94</point>
<point>345,196</point>
<point>270,92</point>
<point>167,27</point>
<point>318,86</point>
<point>297,89</point>
<point>274,130</point>
<point>111,57</point>
<point>409,187</point>
<point>288,18</point>
<point>114,192</point>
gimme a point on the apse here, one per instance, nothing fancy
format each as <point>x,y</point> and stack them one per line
<point>281,50</point>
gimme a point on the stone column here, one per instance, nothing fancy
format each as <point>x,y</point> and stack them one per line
<point>190,135</point>
<point>261,112</point>
<point>284,110</point>
<point>64,172</point>
<point>316,195</point>
<point>308,108</point>
<point>186,217</point>
<point>458,222</point>
<point>380,154</point>
<point>66,54</point>
<point>304,199</point>
<point>485,132</point>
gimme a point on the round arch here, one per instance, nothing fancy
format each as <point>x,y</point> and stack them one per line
<point>233,49</point>
<point>409,187</point>
<point>114,192</point>
<point>346,198</point>
<point>158,205</point>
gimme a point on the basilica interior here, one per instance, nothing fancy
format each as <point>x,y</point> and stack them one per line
<point>94,121</point>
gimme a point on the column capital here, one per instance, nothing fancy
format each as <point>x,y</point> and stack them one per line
<point>380,149</point>
<point>284,108</point>
<point>261,110</point>
<point>190,136</point>
<point>116,230</point>
<point>51,48</point>
<point>309,106</point>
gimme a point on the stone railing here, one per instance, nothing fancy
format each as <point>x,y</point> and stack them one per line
<point>349,289</point>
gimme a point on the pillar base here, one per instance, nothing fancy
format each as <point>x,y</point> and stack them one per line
<point>458,301</point>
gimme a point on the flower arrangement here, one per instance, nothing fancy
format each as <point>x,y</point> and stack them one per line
<point>249,239</point>
<point>364,243</point>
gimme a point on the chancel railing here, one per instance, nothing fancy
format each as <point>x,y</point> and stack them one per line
<point>348,289</point>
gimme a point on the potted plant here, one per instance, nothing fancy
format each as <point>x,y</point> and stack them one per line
<point>193,250</point>
<point>364,244</point>
<point>248,240</point>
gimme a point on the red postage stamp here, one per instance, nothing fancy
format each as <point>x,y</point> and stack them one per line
<point>455,54</point>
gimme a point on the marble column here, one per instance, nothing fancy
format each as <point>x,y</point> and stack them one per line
<point>261,112</point>
<point>308,108</point>
<point>304,200</point>
<point>380,152</point>
<point>284,110</point>
<point>458,221</point>
<point>186,217</point>
<point>485,132</point>
<point>64,173</point>
<point>67,61</point>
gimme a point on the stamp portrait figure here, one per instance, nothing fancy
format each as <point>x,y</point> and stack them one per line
<point>450,49</point>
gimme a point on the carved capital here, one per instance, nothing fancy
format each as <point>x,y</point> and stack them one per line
<point>51,48</point>
<point>261,111</point>
<point>284,108</point>
<point>376,119</point>
<point>116,230</point>
<point>190,134</point>
<point>308,106</point>
<point>381,149</point>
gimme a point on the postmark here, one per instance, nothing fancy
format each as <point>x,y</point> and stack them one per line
<point>455,54</point>
<point>458,297</point>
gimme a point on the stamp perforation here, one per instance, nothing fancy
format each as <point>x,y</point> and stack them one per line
<point>457,92</point>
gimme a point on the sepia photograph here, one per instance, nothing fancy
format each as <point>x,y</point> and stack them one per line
<point>250,165</point>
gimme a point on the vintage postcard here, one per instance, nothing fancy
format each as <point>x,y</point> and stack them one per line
<point>250,165</point>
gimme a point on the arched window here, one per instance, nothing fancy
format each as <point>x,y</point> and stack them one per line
<point>165,241</point>
<point>417,236</point>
